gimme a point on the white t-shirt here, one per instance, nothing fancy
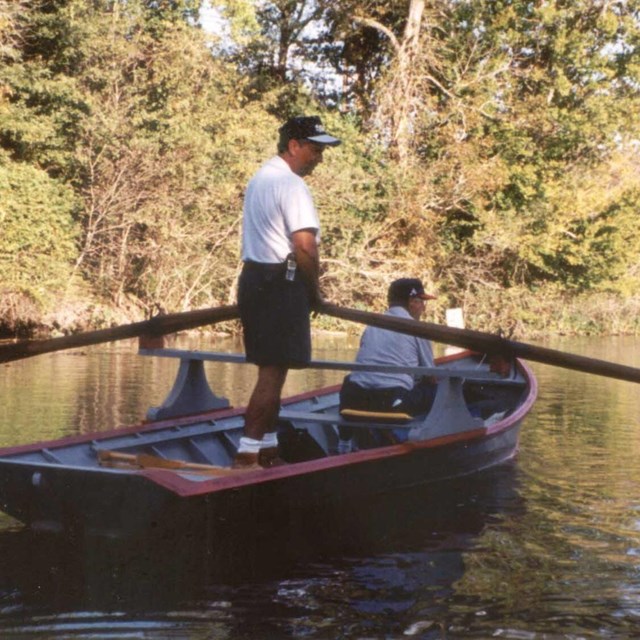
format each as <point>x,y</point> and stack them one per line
<point>276,204</point>
<point>382,346</point>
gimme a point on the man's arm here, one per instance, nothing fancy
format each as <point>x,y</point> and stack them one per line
<point>305,249</point>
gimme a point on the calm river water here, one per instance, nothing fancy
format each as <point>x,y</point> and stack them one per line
<point>546,547</point>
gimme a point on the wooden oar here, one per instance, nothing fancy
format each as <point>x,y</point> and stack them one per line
<point>121,460</point>
<point>484,342</point>
<point>156,326</point>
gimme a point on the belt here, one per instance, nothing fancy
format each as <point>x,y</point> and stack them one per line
<point>250,265</point>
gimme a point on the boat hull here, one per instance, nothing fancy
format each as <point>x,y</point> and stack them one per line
<point>60,487</point>
<point>114,504</point>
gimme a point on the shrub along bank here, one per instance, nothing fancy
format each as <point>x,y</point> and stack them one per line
<point>489,149</point>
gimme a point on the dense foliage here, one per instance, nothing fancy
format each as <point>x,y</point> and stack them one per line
<point>490,148</point>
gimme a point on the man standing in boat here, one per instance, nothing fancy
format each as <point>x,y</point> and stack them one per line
<point>279,283</point>
<point>392,392</point>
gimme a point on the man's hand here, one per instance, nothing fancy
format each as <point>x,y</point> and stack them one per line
<point>305,250</point>
<point>316,304</point>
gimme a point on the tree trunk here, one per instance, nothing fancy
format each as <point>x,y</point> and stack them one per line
<point>396,105</point>
<point>402,87</point>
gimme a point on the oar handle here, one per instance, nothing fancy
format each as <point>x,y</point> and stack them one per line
<point>483,342</point>
<point>156,326</point>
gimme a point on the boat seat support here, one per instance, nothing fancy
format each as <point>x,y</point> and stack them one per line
<point>190,393</point>
<point>449,413</point>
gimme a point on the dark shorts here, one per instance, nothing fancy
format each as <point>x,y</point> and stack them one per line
<point>275,315</point>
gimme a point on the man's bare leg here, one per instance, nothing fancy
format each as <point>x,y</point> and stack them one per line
<point>264,404</point>
<point>262,412</point>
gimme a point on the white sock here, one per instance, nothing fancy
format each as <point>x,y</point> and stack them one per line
<point>269,440</point>
<point>249,445</point>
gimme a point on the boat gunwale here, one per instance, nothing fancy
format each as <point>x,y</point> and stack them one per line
<point>185,484</point>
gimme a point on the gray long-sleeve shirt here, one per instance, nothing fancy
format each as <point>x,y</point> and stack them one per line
<point>381,346</point>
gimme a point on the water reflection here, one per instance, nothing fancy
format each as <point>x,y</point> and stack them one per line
<point>390,562</point>
<point>572,555</point>
<point>547,548</point>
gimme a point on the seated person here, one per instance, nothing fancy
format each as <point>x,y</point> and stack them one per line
<point>391,392</point>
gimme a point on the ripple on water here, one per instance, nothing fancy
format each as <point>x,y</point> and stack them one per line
<point>549,550</point>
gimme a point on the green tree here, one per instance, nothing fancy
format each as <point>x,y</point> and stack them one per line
<point>489,146</point>
<point>505,102</point>
<point>157,160</point>
<point>566,101</point>
<point>37,244</point>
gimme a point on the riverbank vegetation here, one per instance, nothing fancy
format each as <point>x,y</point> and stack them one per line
<point>490,148</point>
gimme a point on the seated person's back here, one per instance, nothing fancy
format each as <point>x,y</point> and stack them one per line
<point>393,391</point>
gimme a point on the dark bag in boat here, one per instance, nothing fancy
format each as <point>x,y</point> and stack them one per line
<point>296,445</point>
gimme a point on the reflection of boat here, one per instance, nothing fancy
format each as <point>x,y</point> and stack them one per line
<point>173,471</point>
<point>416,538</point>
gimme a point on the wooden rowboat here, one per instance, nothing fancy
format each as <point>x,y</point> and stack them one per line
<point>174,469</point>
